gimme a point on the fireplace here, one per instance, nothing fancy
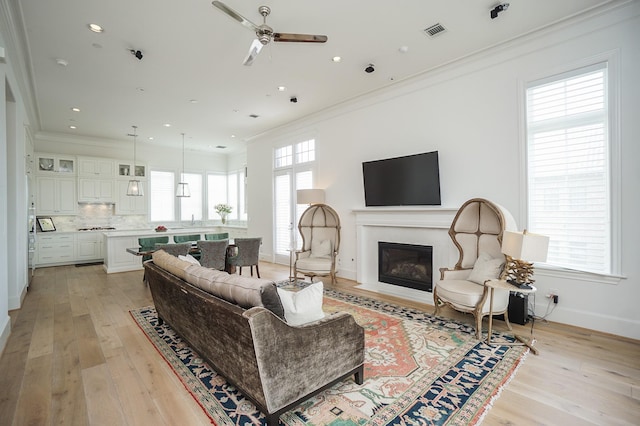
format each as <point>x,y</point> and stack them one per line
<point>406,265</point>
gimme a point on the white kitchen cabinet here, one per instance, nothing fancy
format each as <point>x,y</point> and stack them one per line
<point>89,246</point>
<point>50,163</point>
<point>125,170</point>
<point>117,259</point>
<point>95,190</point>
<point>126,204</point>
<point>56,196</point>
<point>55,249</point>
<point>96,167</point>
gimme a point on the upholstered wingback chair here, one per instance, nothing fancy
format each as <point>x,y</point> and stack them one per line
<point>476,232</point>
<point>319,227</point>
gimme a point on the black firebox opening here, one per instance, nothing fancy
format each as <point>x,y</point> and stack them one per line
<point>406,265</point>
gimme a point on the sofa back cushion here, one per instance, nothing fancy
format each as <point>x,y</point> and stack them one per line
<point>170,263</point>
<point>245,292</point>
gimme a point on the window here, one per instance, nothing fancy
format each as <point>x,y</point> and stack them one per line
<point>191,207</point>
<point>568,167</point>
<point>293,170</point>
<point>216,193</point>
<point>162,196</point>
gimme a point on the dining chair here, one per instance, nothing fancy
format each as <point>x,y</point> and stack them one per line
<point>213,254</point>
<point>149,243</point>
<point>248,254</point>
<point>175,249</point>
<point>220,236</point>
<point>186,238</point>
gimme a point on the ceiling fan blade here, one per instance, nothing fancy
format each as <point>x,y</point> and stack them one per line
<point>235,15</point>
<point>255,48</point>
<point>300,38</point>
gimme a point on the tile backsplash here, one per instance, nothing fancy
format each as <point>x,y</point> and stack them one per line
<point>99,215</point>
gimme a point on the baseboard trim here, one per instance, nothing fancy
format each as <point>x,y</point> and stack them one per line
<point>5,333</point>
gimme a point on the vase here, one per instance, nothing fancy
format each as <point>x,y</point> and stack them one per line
<point>224,219</point>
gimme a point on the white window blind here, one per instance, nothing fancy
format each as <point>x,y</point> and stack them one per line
<point>191,207</point>
<point>568,168</point>
<point>162,196</point>
<point>282,204</point>
<point>216,193</point>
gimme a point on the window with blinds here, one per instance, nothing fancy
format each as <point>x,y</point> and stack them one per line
<point>161,196</point>
<point>191,207</point>
<point>568,171</point>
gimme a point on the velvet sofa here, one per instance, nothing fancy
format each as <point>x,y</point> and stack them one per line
<point>237,325</point>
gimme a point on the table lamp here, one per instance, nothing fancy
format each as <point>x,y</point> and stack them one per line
<point>310,196</point>
<point>523,248</point>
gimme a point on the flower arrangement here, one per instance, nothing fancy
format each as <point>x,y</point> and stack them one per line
<point>223,210</point>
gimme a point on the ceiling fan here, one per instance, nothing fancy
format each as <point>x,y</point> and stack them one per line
<point>265,33</point>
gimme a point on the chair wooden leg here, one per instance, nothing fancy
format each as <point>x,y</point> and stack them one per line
<point>240,270</point>
<point>257,271</point>
<point>478,326</point>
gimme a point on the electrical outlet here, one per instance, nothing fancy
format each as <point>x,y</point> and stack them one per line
<point>553,294</point>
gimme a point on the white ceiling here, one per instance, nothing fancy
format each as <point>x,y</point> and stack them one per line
<point>192,51</point>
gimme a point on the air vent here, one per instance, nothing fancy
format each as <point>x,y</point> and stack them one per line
<point>221,147</point>
<point>434,30</point>
<point>254,115</point>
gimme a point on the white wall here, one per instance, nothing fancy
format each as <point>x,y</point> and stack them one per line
<point>471,113</point>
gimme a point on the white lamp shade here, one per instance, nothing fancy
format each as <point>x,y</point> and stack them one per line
<point>183,190</point>
<point>310,196</point>
<point>525,246</point>
<point>134,188</point>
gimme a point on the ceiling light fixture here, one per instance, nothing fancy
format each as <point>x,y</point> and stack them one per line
<point>134,189</point>
<point>96,28</point>
<point>167,125</point>
<point>183,187</point>
<point>336,59</point>
<point>499,8</point>
<point>73,127</point>
<point>62,62</point>
<point>75,109</point>
<point>281,88</point>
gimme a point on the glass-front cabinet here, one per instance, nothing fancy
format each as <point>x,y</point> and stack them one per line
<point>49,163</point>
<point>125,170</point>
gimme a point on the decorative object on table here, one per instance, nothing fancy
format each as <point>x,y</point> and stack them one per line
<point>46,224</point>
<point>223,210</point>
<point>319,227</point>
<point>161,228</point>
<point>183,187</point>
<point>310,196</point>
<point>134,188</point>
<point>523,248</point>
<point>476,231</point>
<point>417,366</point>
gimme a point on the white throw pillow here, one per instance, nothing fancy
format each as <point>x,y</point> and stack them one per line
<point>485,268</point>
<point>321,248</point>
<point>189,258</point>
<point>301,307</point>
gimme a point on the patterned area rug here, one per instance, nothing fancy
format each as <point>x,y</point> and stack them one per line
<point>419,370</point>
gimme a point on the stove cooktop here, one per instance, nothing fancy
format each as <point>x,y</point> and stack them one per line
<point>98,228</point>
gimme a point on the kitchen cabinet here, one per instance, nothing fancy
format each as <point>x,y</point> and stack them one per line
<point>49,164</point>
<point>88,246</point>
<point>117,259</point>
<point>95,190</point>
<point>55,249</point>
<point>126,204</point>
<point>56,196</point>
<point>90,167</point>
<point>125,170</point>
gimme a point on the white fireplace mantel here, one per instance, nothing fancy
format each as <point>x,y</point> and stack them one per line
<point>408,225</point>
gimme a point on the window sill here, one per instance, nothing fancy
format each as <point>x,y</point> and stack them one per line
<point>574,274</point>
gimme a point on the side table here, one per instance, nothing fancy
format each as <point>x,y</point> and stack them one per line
<point>503,285</point>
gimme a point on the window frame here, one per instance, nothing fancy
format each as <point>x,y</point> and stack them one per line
<point>613,92</point>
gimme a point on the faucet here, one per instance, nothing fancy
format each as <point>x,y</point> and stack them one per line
<point>193,221</point>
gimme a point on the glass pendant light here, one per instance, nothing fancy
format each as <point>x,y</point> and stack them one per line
<point>183,187</point>
<point>134,189</point>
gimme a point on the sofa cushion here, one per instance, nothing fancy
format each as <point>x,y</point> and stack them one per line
<point>170,263</point>
<point>245,292</point>
<point>302,306</point>
<point>190,259</point>
<point>320,265</point>
<point>321,248</point>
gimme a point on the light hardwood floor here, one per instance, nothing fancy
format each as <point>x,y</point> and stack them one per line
<point>75,357</point>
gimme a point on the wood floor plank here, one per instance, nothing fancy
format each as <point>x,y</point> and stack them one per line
<point>103,405</point>
<point>76,357</point>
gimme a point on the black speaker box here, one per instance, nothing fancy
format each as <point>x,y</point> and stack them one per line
<point>518,308</point>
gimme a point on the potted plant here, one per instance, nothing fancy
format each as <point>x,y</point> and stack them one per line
<point>223,210</point>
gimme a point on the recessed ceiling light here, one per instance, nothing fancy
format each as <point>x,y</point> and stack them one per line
<point>72,127</point>
<point>62,62</point>
<point>75,109</point>
<point>233,136</point>
<point>193,101</point>
<point>97,45</point>
<point>281,88</point>
<point>150,138</point>
<point>96,28</point>
<point>140,89</point>
<point>167,125</point>
<point>336,59</point>
<point>403,49</point>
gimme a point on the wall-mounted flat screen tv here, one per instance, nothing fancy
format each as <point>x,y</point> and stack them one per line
<point>412,180</point>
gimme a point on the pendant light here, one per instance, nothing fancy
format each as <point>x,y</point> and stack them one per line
<point>183,187</point>
<point>134,189</point>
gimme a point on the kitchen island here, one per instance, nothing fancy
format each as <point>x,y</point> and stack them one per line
<point>116,243</point>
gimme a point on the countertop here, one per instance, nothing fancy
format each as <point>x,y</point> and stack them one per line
<point>170,231</point>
